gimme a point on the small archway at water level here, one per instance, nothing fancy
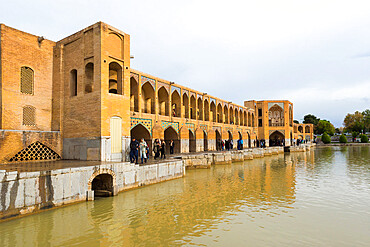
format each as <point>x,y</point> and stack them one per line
<point>102,185</point>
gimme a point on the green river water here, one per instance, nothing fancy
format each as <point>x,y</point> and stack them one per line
<point>317,198</point>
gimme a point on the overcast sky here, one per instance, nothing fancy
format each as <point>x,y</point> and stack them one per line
<point>314,53</point>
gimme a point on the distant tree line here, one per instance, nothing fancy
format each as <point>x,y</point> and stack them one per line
<point>357,124</point>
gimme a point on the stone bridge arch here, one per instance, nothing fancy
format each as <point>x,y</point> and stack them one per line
<point>103,179</point>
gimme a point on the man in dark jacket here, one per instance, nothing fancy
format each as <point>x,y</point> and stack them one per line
<point>134,151</point>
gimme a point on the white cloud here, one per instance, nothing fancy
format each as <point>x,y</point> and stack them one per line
<point>310,52</point>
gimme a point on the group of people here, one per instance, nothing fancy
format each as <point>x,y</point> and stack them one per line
<point>137,148</point>
<point>142,150</point>
<point>222,145</point>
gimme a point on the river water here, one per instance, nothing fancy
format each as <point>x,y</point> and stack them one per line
<point>317,198</point>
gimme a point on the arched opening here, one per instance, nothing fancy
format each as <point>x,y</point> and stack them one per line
<point>219,113</point>
<point>276,116</point>
<point>253,120</point>
<point>138,132</point>
<point>249,140</point>
<point>241,119</point>
<point>200,109</point>
<point>226,114</point>
<point>185,102</point>
<point>116,138</point>
<point>73,83</point>
<point>134,95</point>
<point>206,110</point>
<point>176,104</point>
<point>115,78</point>
<point>276,139</point>
<point>148,101</point>
<point>236,116</point>
<point>213,112</point>
<point>245,119</point>
<point>192,107</point>
<point>192,142</point>
<point>249,119</point>
<point>218,140</point>
<point>290,115</point>
<point>300,129</point>
<point>308,138</point>
<point>307,129</point>
<point>171,134</point>
<point>89,77</point>
<point>102,185</point>
<point>231,111</point>
<point>205,140</point>
<point>163,101</point>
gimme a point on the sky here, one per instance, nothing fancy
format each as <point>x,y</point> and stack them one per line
<point>314,53</point>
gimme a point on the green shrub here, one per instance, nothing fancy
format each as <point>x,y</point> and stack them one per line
<point>325,138</point>
<point>364,138</point>
<point>343,139</point>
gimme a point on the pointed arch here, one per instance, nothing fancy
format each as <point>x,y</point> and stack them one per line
<point>219,113</point>
<point>176,104</point>
<point>134,95</point>
<point>245,123</point>
<point>185,102</point>
<point>206,110</point>
<point>193,107</point>
<point>170,134</point>
<point>140,131</point>
<point>115,78</point>
<point>213,112</point>
<point>231,115</point>
<point>163,102</point>
<point>226,114</point>
<point>200,109</point>
<point>148,98</point>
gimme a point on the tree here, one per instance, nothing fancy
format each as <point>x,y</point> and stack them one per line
<point>366,119</point>
<point>311,119</point>
<point>324,126</point>
<point>354,122</point>
<point>364,138</point>
<point>325,138</point>
<point>296,121</point>
<point>343,139</point>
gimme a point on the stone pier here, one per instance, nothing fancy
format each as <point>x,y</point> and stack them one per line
<point>29,188</point>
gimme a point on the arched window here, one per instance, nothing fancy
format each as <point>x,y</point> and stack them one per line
<point>89,77</point>
<point>115,78</point>
<point>27,80</point>
<point>73,82</point>
<point>29,115</point>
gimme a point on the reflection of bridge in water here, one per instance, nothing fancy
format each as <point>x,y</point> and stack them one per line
<point>174,210</point>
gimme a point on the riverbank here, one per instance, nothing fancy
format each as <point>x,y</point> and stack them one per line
<point>343,144</point>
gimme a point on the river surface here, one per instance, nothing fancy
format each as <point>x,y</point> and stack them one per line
<point>318,198</point>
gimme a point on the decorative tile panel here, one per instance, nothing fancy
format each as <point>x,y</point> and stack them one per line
<point>213,100</point>
<point>203,127</point>
<point>190,126</point>
<point>281,131</point>
<point>165,85</point>
<point>173,88</point>
<point>147,123</point>
<point>135,76</point>
<point>145,79</point>
<point>175,125</point>
<point>279,104</point>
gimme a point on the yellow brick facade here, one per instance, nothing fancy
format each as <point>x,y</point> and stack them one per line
<point>84,82</point>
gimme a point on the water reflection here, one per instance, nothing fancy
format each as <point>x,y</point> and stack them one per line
<point>215,206</point>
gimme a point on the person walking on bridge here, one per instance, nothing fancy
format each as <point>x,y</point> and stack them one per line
<point>142,148</point>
